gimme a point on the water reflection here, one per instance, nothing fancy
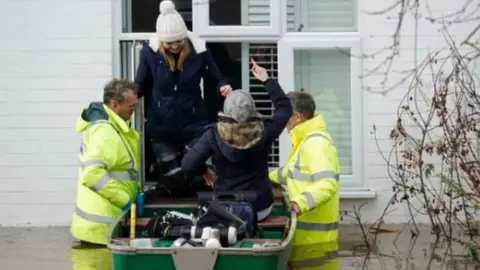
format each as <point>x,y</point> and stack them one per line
<point>396,247</point>
<point>315,257</point>
<point>392,249</point>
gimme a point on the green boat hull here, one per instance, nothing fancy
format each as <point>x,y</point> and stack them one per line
<point>223,261</point>
<point>163,257</point>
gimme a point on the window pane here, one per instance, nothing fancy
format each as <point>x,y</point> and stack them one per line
<point>141,15</point>
<point>325,74</point>
<point>322,15</point>
<point>239,12</point>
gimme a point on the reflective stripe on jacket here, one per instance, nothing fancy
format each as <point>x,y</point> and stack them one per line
<point>108,173</point>
<point>310,179</point>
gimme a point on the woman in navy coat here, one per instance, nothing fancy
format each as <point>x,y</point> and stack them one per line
<point>168,75</point>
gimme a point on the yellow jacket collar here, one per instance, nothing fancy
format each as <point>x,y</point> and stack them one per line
<point>298,133</point>
<point>116,120</point>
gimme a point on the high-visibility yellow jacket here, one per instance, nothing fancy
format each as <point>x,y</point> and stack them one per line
<point>310,178</point>
<point>108,173</point>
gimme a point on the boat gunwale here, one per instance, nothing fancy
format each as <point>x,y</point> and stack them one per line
<point>264,251</point>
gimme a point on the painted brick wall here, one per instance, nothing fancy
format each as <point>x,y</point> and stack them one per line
<point>55,56</point>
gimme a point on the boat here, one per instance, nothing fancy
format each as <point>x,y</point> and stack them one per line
<point>269,251</point>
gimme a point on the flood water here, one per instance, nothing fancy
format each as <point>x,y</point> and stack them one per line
<point>50,249</point>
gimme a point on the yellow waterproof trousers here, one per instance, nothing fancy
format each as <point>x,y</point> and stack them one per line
<point>322,256</point>
<point>86,257</point>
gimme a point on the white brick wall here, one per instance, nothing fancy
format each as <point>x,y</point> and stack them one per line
<point>55,56</point>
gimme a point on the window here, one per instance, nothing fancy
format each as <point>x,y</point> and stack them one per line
<point>140,16</point>
<point>325,74</point>
<point>236,19</point>
<point>265,54</point>
<point>323,66</point>
<point>320,48</point>
<point>232,19</point>
<point>322,15</point>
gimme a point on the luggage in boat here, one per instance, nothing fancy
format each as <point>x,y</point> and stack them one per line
<point>239,203</point>
<point>216,218</point>
<point>270,251</point>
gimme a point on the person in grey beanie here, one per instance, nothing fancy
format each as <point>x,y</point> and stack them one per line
<point>240,142</point>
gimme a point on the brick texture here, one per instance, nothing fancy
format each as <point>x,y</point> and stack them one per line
<point>55,56</point>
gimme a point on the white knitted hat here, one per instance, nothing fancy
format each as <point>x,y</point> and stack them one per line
<point>170,24</point>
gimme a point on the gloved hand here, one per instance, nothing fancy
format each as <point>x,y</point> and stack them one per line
<point>127,207</point>
<point>139,200</point>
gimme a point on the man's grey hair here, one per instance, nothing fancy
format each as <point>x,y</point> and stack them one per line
<point>303,103</point>
<point>115,89</point>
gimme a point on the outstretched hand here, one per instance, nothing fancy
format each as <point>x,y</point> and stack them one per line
<point>225,90</point>
<point>259,72</point>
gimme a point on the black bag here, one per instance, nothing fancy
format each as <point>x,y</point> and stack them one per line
<point>238,203</point>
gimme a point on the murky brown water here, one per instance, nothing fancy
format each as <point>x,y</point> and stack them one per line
<point>35,248</point>
<point>50,249</point>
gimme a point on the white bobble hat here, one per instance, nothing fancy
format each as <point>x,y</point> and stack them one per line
<point>170,24</point>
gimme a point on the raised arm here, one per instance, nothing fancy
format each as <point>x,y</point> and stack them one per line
<point>282,106</point>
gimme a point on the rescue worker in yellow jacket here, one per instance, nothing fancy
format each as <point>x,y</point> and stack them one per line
<point>310,179</point>
<point>109,162</point>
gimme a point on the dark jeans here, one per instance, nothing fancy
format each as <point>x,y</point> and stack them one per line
<point>170,177</point>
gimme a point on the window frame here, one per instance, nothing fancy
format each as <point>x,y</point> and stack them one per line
<point>302,8</point>
<point>237,33</point>
<point>286,66</point>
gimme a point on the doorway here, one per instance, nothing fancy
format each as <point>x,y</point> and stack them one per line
<point>139,16</point>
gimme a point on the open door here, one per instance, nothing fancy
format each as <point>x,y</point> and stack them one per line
<point>142,19</point>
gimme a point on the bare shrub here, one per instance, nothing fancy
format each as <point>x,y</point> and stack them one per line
<point>434,163</point>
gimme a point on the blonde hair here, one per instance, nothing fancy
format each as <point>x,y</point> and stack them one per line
<point>171,61</point>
